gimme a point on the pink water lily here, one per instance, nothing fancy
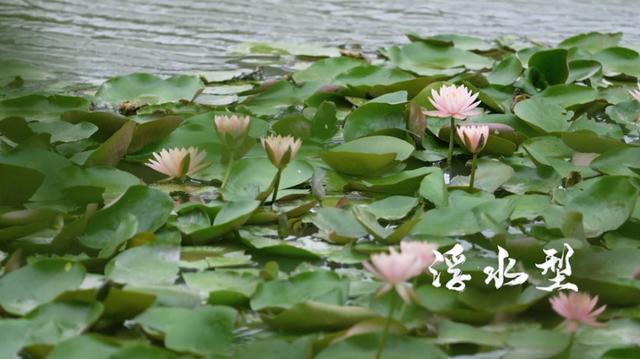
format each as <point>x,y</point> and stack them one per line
<point>235,126</point>
<point>423,251</point>
<point>281,149</point>
<point>635,93</point>
<point>395,269</point>
<point>454,101</point>
<point>171,162</point>
<point>577,308</point>
<point>474,137</point>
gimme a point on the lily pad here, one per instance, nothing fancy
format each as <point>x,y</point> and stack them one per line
<point>40,107</point>
<point>144,89</point>
<point>204,330</point>
<point>367,155</point>
<point>48,278</point>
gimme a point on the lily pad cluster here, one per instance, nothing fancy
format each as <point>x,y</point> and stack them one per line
<point>102,257</point>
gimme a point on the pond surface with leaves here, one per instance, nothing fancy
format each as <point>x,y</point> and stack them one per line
<point>102,257</point>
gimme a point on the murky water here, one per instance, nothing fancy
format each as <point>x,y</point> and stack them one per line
<point>92,40</point>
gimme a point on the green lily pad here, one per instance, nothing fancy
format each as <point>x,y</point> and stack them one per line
<point>47,279</point>
<point>14,69</point>
<point>463,220</point>
<point>155,263</point>
<point>231,217</point>
<point>327,69</point>
<point>602,209</point>
<point>592,41</point>
<point>506,71</point>
<point>393,207</point>
<point>338,224</point>
<point>427,59</point>
<point>310,316</point>
<point>223,287</point>
<point>150,207</point>
<point>281,48</point>
<point>367,155</point>
<point>434,189</point>
<point>373,118</point>
<point>397,347</point>
<point>320,286</point>
<point>40,107</point>
<point>536,343</point>
<point>64,131</point>
<point>619,60</point>
<point>55,322</point>
<point>84,346</point>
<point>18,184</point>
<point>146,89</point>
<point>366,76</point>
<point>543,115</point>
<point>618,161</point>
<point>550,65</point>
<point>460,41</point>
<point>266,241</point>
<point>402,183</point>
<point>568,95</point>
<point>203,330</point>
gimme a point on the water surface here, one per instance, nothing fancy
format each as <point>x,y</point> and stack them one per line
<point>93,40</point>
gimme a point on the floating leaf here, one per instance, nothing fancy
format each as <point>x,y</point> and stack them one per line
<point>428,59</point>
<point>149,206</point>
<point>543,115</point>
<point>321,286</point>
<point>204,330</point>
<point>550,65</point>
<point>367,155</point>
<point>145,89</point>
<point>47,279</point>
<point>374,118</point>
<point>40,107</point>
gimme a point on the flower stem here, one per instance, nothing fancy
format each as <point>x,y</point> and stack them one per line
<point>275,188</point>
<point>474,166</point>
<point>385,333</point>
<point>414,284</point>
<point>451,139</point>
<point>227,172</point>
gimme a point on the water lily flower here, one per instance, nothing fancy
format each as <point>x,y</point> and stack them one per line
<point>178,162</point>
<point>454,101</point>
<point>635,93</point>
<point>235,126</point>
<point>474,137</point>
<point>577,308</point>
<point>423,251</point>
<point>281,149</point>
<point>395,269</point>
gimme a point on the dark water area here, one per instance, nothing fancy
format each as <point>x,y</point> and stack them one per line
<point>89,41</point>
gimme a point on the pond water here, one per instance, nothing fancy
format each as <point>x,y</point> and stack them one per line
<point>89,41</point>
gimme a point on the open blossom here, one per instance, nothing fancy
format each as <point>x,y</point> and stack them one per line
<point>171,162</point>
<point>577,308</point>
<point>474,137</point>
<point>454,101</point>
<point>395,269</point>
<point>635,93</point>
<point>281,149</point>
<point>422,250</point>
<point>235,126</point>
